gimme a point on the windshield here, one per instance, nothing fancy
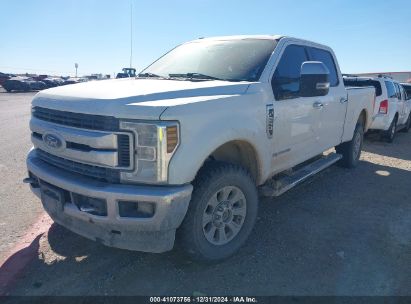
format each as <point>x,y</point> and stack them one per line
<point>232,60</point>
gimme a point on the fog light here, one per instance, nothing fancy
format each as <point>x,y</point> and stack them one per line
<point>136,209</point>
<point>95,206</point>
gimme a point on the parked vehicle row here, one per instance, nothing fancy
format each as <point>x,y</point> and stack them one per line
<point>180,152</point>
<point>4,77</point>
<point>392,112</point>
<point>25,84</point>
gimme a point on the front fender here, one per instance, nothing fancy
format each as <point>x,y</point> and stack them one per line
<point>206,126</point>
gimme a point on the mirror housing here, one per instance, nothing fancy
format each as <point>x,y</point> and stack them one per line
<point>315,79</point>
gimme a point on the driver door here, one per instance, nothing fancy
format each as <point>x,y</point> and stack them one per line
<point>296,119</point>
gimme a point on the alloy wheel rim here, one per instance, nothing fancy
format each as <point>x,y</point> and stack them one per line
<point>357,145</point>
<point>224,215</point>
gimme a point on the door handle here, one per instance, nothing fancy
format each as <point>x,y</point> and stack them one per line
<point>318,105</point>
<point>343,100</point>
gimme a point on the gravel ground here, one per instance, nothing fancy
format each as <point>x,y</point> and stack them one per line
<point>344,232</point>
<point>18,210</point>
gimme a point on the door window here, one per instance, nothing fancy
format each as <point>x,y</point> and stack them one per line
<point>326,58</point>
<point>398,91</point>
<point>286,79</point>
<point>391,93</point>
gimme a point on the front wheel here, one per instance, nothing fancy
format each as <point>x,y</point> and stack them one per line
<point>222,212</point>
<point>351,151</point>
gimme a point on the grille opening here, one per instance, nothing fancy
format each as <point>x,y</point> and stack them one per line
<point>78,120</point>
<point>91,205</point>
<point>136,209</point>
<point>123,142</point>
<point>99,173</point>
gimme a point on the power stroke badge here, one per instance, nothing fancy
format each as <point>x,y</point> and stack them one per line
<point>269,120</point>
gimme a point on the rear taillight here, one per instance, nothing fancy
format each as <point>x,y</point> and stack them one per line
<point>383,107</point>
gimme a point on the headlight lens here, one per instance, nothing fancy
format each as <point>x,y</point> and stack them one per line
<point>154,145</point>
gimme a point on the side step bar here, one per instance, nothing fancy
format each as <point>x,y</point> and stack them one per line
<point>278,185</point>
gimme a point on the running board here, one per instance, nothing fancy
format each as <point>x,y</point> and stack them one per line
<point>278,185</point>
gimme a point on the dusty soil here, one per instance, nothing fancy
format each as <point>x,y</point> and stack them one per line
<point>18,210</point>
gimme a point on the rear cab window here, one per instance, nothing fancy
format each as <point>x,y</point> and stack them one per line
<point>364,83</point>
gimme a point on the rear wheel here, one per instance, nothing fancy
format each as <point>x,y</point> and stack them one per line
<point>389,135</point>
<point>222,212</point>
<point>351,151</point>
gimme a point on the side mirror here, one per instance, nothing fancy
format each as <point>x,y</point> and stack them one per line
<point>315,79</point>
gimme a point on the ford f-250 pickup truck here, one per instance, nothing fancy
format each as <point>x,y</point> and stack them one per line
<point>181,151</point>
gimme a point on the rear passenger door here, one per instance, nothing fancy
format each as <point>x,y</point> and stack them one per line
<point>332,115</point>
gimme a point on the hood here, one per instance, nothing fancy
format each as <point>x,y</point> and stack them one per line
<point>134,98</point>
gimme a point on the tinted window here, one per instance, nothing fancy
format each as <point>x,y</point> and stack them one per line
<point>391,93</point>
<point>407,89</point>
<point>286,79</point>
<point>403,95</point>
<point>364,83</point>
<point>397,88</point>
<point>326,58</point>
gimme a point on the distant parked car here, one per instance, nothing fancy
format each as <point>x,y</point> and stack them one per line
<point>391,111</point>
<point>23,84</point>
<point>52,82</point>
<point>4,77</point>
<point>70,81</point>
<point>127,72</point>
<point>36,85</point>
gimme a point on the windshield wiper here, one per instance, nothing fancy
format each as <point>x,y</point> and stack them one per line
<point>149,75</point>
<point>198,76</point>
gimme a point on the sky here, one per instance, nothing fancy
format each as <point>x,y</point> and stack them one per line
<point>50,36</point>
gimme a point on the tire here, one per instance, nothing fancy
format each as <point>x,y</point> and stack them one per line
<point>351,150</point>
<point>389,135</point>
<point>407,125</point>
<point>224,203</point>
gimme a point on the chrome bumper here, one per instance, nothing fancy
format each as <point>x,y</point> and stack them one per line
<point>153,234</point>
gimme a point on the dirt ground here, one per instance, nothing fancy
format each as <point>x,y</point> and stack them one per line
<point>18,210</point>
<point>345,232</point>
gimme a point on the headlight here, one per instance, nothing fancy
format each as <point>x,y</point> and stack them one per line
<point>155,144</point>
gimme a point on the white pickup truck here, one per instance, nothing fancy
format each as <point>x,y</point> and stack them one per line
<point>182,151</point>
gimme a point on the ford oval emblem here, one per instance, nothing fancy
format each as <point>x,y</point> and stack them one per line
<point>53,141</point>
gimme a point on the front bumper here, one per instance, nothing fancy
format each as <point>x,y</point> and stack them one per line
<point>153,234</point>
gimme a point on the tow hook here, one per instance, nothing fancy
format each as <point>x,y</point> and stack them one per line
<point>32,181</point>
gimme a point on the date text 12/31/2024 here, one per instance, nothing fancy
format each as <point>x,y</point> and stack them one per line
<point>203,299</point>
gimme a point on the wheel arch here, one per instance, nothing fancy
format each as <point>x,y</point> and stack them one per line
<point>240,152</point>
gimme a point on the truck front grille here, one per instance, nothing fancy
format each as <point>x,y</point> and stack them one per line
<point>78,120</point>
<point>94,144</point>
<point>102,174</point>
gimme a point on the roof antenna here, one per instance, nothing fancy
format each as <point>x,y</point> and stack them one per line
<point>131,33</point>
